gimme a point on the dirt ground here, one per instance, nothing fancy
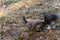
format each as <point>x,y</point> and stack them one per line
<point>11,26</point>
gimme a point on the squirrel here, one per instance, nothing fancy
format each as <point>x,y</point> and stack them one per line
<point>48,18</point>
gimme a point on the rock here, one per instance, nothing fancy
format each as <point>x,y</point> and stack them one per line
<point>48,27</point>
<point>41,37</point>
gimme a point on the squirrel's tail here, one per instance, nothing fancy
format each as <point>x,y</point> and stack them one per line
<point>50,17</point>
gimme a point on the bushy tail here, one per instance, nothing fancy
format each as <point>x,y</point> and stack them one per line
<point>50,17</point>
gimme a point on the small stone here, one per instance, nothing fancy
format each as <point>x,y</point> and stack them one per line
<point>41,37</point>
<point>53,27</point>
<point>49,27</point>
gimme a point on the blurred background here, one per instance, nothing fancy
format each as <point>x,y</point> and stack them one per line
<point>12,11</point>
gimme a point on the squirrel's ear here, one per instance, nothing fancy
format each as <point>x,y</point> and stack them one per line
<point>24,19</point>
<point>45,19</point>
